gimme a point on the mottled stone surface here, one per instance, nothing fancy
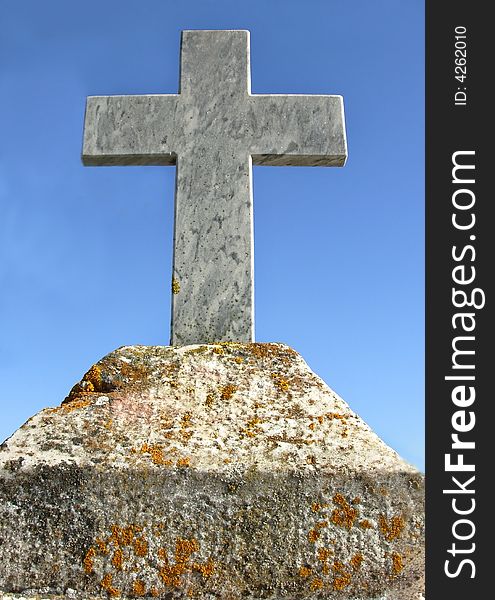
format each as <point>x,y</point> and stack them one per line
<point>213,130</point>
<point>224,471</point>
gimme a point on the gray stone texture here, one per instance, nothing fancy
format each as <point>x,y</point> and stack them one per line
<point>224,472</point>
<point>214,129</point>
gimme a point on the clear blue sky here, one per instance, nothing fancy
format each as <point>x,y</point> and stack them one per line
<point>85,253</point>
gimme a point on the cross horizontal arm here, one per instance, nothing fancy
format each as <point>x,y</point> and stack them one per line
<point>130,130</point>
<point>297,130</point>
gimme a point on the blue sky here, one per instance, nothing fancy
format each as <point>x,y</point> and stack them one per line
<point>85,253</point>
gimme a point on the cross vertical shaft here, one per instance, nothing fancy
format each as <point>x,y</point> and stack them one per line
<point>213,239</point>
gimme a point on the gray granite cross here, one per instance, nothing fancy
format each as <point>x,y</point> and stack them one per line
<point>213,130</point>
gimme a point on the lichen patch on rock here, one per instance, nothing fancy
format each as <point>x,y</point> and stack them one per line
<point>222,471</point>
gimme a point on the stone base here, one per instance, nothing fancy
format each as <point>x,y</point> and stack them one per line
<point>222,472</point>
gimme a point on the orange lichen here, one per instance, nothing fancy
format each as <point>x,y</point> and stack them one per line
<point>356,500</point>
<point>118,559</point>
<point>156,453</point>
<point>140,546</point>
<point>123,536</point>
<point>73,405</point>
<point>260,350</point>
<point>313,535</point>
<point>206,570</point>
<point>341,582</point>
<point>239,360</point>
<point>89,388</point>
<point>132,537</point>
<point>304,572</point>
<point>171,573</point>
<point>119,538</point>
<point>397,563</point>
<point>391,529</point>
<point>280,383</point>
<point>365,524</point>
<point>93,377</point>
<point>102,546</point>
<point>184,462</point>
<point>210,400</point>
<point>312,426</point>
<point>311,460</point>
<point>184,424</point>
<point>324,554</point>
<point>106,584</point>
<point>341,577</point>
<point>338,416</point>
<point>321,524</point>
<point>134,373</point>
<point>162,554</point>
<point>227,391</point>
<point>184,549</point>
<point>345,515</point>
<point>356,561</point>
<point>218,350</point>
<point>316,584</point>
<point>316,506</point>
<point>186,420</point>
<point>90,383</point>
<point>88,560</point>
<point>252,429</point>
<point>138,588</point>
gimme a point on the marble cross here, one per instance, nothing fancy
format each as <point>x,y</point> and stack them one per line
<point>214,129</point>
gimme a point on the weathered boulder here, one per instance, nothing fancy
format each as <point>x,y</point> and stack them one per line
<point>224,471</point>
